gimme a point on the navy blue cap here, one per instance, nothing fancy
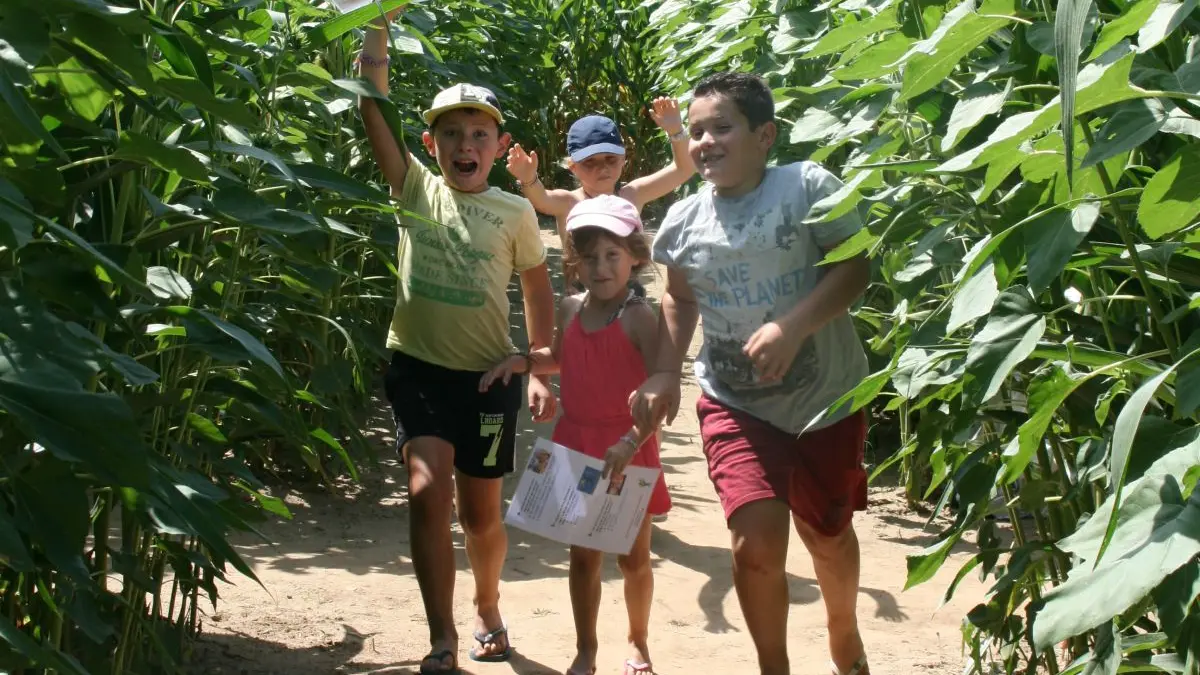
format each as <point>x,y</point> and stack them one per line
<point>593,135</point>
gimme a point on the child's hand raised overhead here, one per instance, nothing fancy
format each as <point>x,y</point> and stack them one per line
<point>665,112</point>
<point>522,165</point>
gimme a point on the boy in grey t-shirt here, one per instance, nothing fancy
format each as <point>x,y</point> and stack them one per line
<point>779,348</point>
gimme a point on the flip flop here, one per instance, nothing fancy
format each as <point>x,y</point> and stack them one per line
<point>634,668</point>
<point>485,639</point>
<point>859,666</point>
<point>441,657</point>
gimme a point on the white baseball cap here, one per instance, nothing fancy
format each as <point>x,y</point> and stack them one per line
<point>464,95</point>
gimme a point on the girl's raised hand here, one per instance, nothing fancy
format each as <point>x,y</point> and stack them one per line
<point>503,372</point>
<point>665,112</point>
<point>522,165</point>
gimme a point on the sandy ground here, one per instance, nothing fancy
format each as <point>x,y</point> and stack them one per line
<point>338,593</point>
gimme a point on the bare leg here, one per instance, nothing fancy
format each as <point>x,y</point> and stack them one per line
<point>836,561</point>
<point>430,464</point>
<point>760,542</point>
<point>639,594</point>
<point>585,605</point>
<point>479,503</point>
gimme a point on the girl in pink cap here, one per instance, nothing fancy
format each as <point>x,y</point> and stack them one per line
<point>601,351</point>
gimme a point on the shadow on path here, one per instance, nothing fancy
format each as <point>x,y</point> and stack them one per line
<point>240,654</point>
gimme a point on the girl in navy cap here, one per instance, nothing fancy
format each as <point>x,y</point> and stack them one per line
<point>596,156</point>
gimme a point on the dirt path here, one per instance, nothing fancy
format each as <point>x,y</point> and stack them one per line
<point>339,595</point>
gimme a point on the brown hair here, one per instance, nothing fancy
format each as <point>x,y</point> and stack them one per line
<point>581,241</point>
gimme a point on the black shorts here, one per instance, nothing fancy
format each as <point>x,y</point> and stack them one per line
<point>429,400</point>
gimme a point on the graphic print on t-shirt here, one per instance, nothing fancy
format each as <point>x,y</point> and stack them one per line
<point>446,267</point>
<point>749,260</point>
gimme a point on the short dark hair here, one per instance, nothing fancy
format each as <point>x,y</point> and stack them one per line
<point>581,242</point>
<point>748,91</point>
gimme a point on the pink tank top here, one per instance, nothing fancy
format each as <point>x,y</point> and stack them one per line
<point>597,373</point>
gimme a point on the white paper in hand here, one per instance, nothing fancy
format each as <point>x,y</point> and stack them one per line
<point>563,497</point>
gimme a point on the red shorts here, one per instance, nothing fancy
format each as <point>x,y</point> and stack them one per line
<point>820,475</point>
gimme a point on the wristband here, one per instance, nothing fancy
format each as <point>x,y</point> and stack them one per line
<point>529,361</point>
<point>631,439</point>
<point>372,62</point>
<point>681,135</point>
<point>524,185</point>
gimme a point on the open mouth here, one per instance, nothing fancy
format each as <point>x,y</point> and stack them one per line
<point>465,167</point>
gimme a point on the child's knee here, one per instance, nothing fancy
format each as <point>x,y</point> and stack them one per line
<point>480,524</point>
<point>759,555</point>
<point>586,560</point>
<point>635,562</point>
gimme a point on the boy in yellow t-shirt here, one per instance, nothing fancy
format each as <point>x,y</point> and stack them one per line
<point>450,325</point>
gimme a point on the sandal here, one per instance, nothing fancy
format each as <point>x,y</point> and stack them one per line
<point>441,657</point>
<point>634,668</point>
<point>486,639</point>
<point>859,667</point>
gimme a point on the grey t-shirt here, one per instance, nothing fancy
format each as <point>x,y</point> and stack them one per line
<point>749,260</point>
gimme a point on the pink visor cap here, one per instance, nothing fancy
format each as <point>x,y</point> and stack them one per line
<point>607,212</point>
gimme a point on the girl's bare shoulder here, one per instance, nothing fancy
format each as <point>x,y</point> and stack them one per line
<point>639,319</point>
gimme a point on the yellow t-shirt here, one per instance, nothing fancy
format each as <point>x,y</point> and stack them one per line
<point>452,297</point>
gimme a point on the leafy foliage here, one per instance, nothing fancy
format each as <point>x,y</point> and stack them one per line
<point>1026,170</point>
<point>196,268</point>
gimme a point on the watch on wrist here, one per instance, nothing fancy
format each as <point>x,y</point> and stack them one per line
<point>680,135</point>
<point>631,439</point>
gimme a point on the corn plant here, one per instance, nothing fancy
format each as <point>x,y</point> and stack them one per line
<point>196,261</point>
<point>1027,175</point>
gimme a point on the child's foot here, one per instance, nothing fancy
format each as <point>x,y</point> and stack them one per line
<point>442,658</point>
<point>638,662</point>
<point>584,664</point>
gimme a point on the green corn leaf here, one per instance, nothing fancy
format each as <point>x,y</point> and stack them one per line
<point>1122,440</point>
<point>974,299</point>
<point>253,348</point>
<point>97,430</point>
<point>975,103</point>
<point>1134,17</point>
<point>36,653</point>
<point>1069,23</point>
<point>144,150</point>
<point>13,552</point>
<point>922,566</point>
<point>1131,124</point>
<point>344,23</point>
<point>1170,200</point>
<point>931,61</point>
<point>1164,534</point>
<point>1052,241</point>
<point>1166,18</point>
<point>851,32</point>
<point>52,508</point>
<point>14,98</point>
<point>24,40</point>
<point>16,226</point>
<point>1010,336</point>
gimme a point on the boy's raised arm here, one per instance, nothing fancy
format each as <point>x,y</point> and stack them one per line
<point>390,152</point>
<point>661,183</point>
